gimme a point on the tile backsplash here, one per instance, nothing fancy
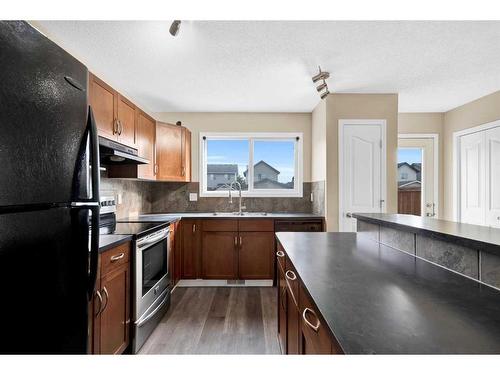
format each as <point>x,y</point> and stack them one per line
<point>156,197</point>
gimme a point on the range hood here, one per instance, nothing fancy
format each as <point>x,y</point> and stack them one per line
<point>114,153</point>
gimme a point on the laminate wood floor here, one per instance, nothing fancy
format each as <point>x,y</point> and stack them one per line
<point>217,321</point>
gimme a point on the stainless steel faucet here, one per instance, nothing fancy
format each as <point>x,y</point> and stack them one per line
<point>231,195</point>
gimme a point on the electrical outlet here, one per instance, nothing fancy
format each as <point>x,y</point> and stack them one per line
<point>193,197</point>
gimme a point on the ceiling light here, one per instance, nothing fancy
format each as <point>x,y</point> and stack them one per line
<point>325,94</point>
<point>321,76</point>
<point>322,87</point>
<point>174,28</point>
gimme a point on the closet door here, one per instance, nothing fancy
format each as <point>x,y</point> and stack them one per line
<point>492,141</point>
<point>472,178</point>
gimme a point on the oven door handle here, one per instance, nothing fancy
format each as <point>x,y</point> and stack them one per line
<point>152,240</point>
<point>144,320</point>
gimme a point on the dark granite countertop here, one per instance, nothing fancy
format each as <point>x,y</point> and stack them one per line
<point>108,241</point>
<point>225,215</point>
<point>376,299</point>
<point>474,236</point>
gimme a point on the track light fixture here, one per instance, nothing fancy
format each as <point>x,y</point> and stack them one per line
<point>322,76</point>
<point>322,86</point>
<point>174,27</point>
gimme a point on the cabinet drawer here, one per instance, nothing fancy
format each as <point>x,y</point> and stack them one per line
<point>315,334</point>
<point>218,225</point>
<point>115,257</point>
<point>253,225</point>
<point>281,256</point>
<point>292,281</point>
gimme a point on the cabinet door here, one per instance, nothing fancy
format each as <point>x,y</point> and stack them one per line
<point>292,320</point>
<point>281,310</point>
<point>169,152</point>
<point>145,142</point>
<point>219,255</point>
<point>191,242</point>
<point>115,315</point>
<point>256,255</point>
<point>126,121</point>
<point>186,155</point>
<point>102,99</point>
<point>95,340</point>
<point>314,335</point>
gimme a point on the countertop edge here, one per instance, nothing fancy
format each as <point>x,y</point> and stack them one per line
<point>488,247</point>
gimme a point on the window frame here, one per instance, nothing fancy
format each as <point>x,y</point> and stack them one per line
<point>296,192</point>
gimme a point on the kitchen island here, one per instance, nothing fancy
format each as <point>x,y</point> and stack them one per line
<point>371,298</point>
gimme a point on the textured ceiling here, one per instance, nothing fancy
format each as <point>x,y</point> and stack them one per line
<point>263,66</point>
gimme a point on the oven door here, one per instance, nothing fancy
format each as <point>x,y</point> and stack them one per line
<point>151,269</point>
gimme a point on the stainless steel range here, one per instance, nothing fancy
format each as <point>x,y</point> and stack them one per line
<point>150,278</point>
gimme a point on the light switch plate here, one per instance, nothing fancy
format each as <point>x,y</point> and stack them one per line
<point>193,197</point>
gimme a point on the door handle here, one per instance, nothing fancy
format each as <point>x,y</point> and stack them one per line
<point>116,257</point>
<point>98,294</point>
<point>314,327</point>
<point>348,214</point>
<point>107,299</point>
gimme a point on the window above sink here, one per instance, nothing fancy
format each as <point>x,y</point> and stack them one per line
<point>275,161</point>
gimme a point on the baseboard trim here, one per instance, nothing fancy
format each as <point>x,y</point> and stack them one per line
<point>222,283</point>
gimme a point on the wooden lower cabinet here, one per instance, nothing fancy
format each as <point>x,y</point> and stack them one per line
<point>220,255</point>
<point>111,322</point>
<point>191,249</point>
<point>255,256</point>
<point>301,329</point>
<point>282,319</point>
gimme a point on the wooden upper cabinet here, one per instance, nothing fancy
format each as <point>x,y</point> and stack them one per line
<point>126,121</point>
<point>114,114</point>
<point>169,152</point>
<point>145,141</point>
<point>186,155</point>
<point>102,101</point>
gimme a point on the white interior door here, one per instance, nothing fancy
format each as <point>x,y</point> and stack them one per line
<point>362,170</point>
<point>472,178</point>
<point>492,145</point>
<point>428,174</point>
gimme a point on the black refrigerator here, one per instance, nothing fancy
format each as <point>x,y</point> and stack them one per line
<point>49,195</point>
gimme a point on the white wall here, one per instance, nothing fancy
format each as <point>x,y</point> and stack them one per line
<point>242,122</point>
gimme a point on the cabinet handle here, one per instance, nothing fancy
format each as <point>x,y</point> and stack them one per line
<point>156,169</point>
<point>115,126</point>
<point>120,127</point>
<point>107,299</point>
<point>290,275</point>
<point>98,294</point>
<point>313,327</point>
<point>183,172</point>
<point>241,241</point>
<point>280,254</point>
<point>235,241</point>
<point>194,228</point>
<point>116,257</point>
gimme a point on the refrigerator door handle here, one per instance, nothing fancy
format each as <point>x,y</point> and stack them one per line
<point>94,239</point>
